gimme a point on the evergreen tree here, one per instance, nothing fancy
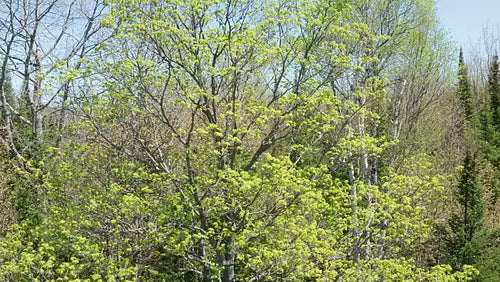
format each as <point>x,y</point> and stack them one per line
<point>490,126</point>
<point>464,245</point>
<point>464,89</point>
<point>494,91</point>
<point>467,221</point>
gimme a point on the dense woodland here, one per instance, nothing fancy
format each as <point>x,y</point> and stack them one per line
<point>245,140</point>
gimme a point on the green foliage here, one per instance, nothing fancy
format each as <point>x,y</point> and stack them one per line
<point>489,268</point>
<point>494,91</point>
<point>7,174</point>
<point>464,89</point>
<point>221,149</point>
<point>469,196</point>
<point>490,132</point>
<point>466,244</point>
<point>108,220</point>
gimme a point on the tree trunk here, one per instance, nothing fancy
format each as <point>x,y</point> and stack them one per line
<point>229,258</point>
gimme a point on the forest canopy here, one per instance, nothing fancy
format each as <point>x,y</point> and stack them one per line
<point>244,140</point>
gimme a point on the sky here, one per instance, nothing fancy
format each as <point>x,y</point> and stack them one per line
<point>465,19</point>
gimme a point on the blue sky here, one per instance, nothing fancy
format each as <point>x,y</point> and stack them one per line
<point>464,19</point>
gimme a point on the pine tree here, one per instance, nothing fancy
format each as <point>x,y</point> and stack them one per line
<point>464,244</point>
<point>464,89</point>
<point>490,126</point>
<point>494,91</point>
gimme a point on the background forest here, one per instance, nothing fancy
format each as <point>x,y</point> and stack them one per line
<point>245,140</point>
